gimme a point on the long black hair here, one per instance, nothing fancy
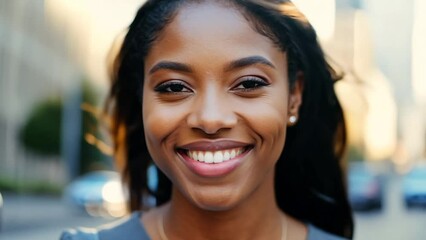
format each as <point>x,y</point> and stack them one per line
<point>309,182</point>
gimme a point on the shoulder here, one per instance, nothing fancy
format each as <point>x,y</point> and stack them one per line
<point>315,233</point>
<point>128,228</point>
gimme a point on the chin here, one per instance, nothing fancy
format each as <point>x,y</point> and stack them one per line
<point>215,206</point>
<point>216,200</point>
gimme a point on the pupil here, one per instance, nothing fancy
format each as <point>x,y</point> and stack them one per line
<point>249,84</point>
<point>176,88</point>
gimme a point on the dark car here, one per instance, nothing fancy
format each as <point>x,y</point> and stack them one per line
<point>414,187</point>
<point>100,193</point>
<point>365,188</point>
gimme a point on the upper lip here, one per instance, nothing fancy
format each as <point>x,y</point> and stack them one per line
<point>215,145</point>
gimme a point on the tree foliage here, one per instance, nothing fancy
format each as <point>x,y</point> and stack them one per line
<point>42,131</point>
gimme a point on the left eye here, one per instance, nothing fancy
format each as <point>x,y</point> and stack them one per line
<point>251,83</point>
<point>172,87</point>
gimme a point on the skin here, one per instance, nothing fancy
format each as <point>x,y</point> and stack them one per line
<point>218,101</point>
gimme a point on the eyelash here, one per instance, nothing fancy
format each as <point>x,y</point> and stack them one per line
<point>259,83</point>
<point>182,88</point>
<point>167,87</point>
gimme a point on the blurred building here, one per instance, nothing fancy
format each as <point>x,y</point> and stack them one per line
<point>399,32</point>
<point>34,64</point>
<point>387,60</point>
<point>47,47</point>
<point>366,92</point>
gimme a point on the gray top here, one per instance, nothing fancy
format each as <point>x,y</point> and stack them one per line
<point>130,228</point>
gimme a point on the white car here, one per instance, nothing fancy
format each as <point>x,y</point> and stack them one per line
<point>99,193</point>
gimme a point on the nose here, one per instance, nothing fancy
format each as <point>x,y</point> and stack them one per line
<point>211,112</point>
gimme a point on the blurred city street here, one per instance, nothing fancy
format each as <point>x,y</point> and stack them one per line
<point>56,58</point>
<point>41,218</point>
<point>394,221</point>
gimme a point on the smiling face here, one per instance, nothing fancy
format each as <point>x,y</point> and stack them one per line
<point>215,106</point>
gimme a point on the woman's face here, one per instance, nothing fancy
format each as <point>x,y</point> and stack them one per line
<point>215,105</point>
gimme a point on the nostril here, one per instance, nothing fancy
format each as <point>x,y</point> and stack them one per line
<point>211,123</point>
<point>212,127</point>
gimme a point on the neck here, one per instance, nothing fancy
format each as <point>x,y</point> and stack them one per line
<point>256,217</point>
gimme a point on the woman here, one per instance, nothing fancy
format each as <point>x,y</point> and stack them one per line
<point>233,101</point>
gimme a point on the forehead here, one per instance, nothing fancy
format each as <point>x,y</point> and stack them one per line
<point>210,26</point>
<point>210,19</point>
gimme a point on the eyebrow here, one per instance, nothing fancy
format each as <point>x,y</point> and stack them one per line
<point>248,61</point>
<point>239,63</point>
<point>169,65</point>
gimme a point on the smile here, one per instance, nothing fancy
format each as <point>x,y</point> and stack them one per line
<point>215,156</point>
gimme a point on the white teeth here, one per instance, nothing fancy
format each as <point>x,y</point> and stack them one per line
<point>215,156</point>
<point>194,156</point>
<point>218,157</point>
<point>200,157</point>
<point>208,157</point>
<point>226,156</point>
<point>233,153</point>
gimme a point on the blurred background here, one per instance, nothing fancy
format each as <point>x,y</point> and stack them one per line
<point>55,173</point>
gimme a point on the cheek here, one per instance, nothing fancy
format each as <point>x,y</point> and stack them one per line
<point>267,120</point>
<point>161,122</point>
<point>267,117</point>
<point>271,127</point>
<point>157,124</point>
<point>154,118</point>
<point>158,127</point>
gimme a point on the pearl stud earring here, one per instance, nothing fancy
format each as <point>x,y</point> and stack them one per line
<point>292,120</point>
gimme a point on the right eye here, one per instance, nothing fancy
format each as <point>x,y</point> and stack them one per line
<point>173,87</point>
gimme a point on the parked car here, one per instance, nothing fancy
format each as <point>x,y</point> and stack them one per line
<point>365,188</point>
<point>414,187</point>
<point>100,193</point>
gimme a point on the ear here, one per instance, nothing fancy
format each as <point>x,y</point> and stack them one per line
<point>295,99</point>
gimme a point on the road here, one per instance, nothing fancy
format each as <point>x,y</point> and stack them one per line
<point>40,218</point>
<point>394,222</point>
<point>43,218</point>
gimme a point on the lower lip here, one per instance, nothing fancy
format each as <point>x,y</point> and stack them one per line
<point>213,169</point>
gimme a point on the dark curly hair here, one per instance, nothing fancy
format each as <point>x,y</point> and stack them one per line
<point>309,182</point>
